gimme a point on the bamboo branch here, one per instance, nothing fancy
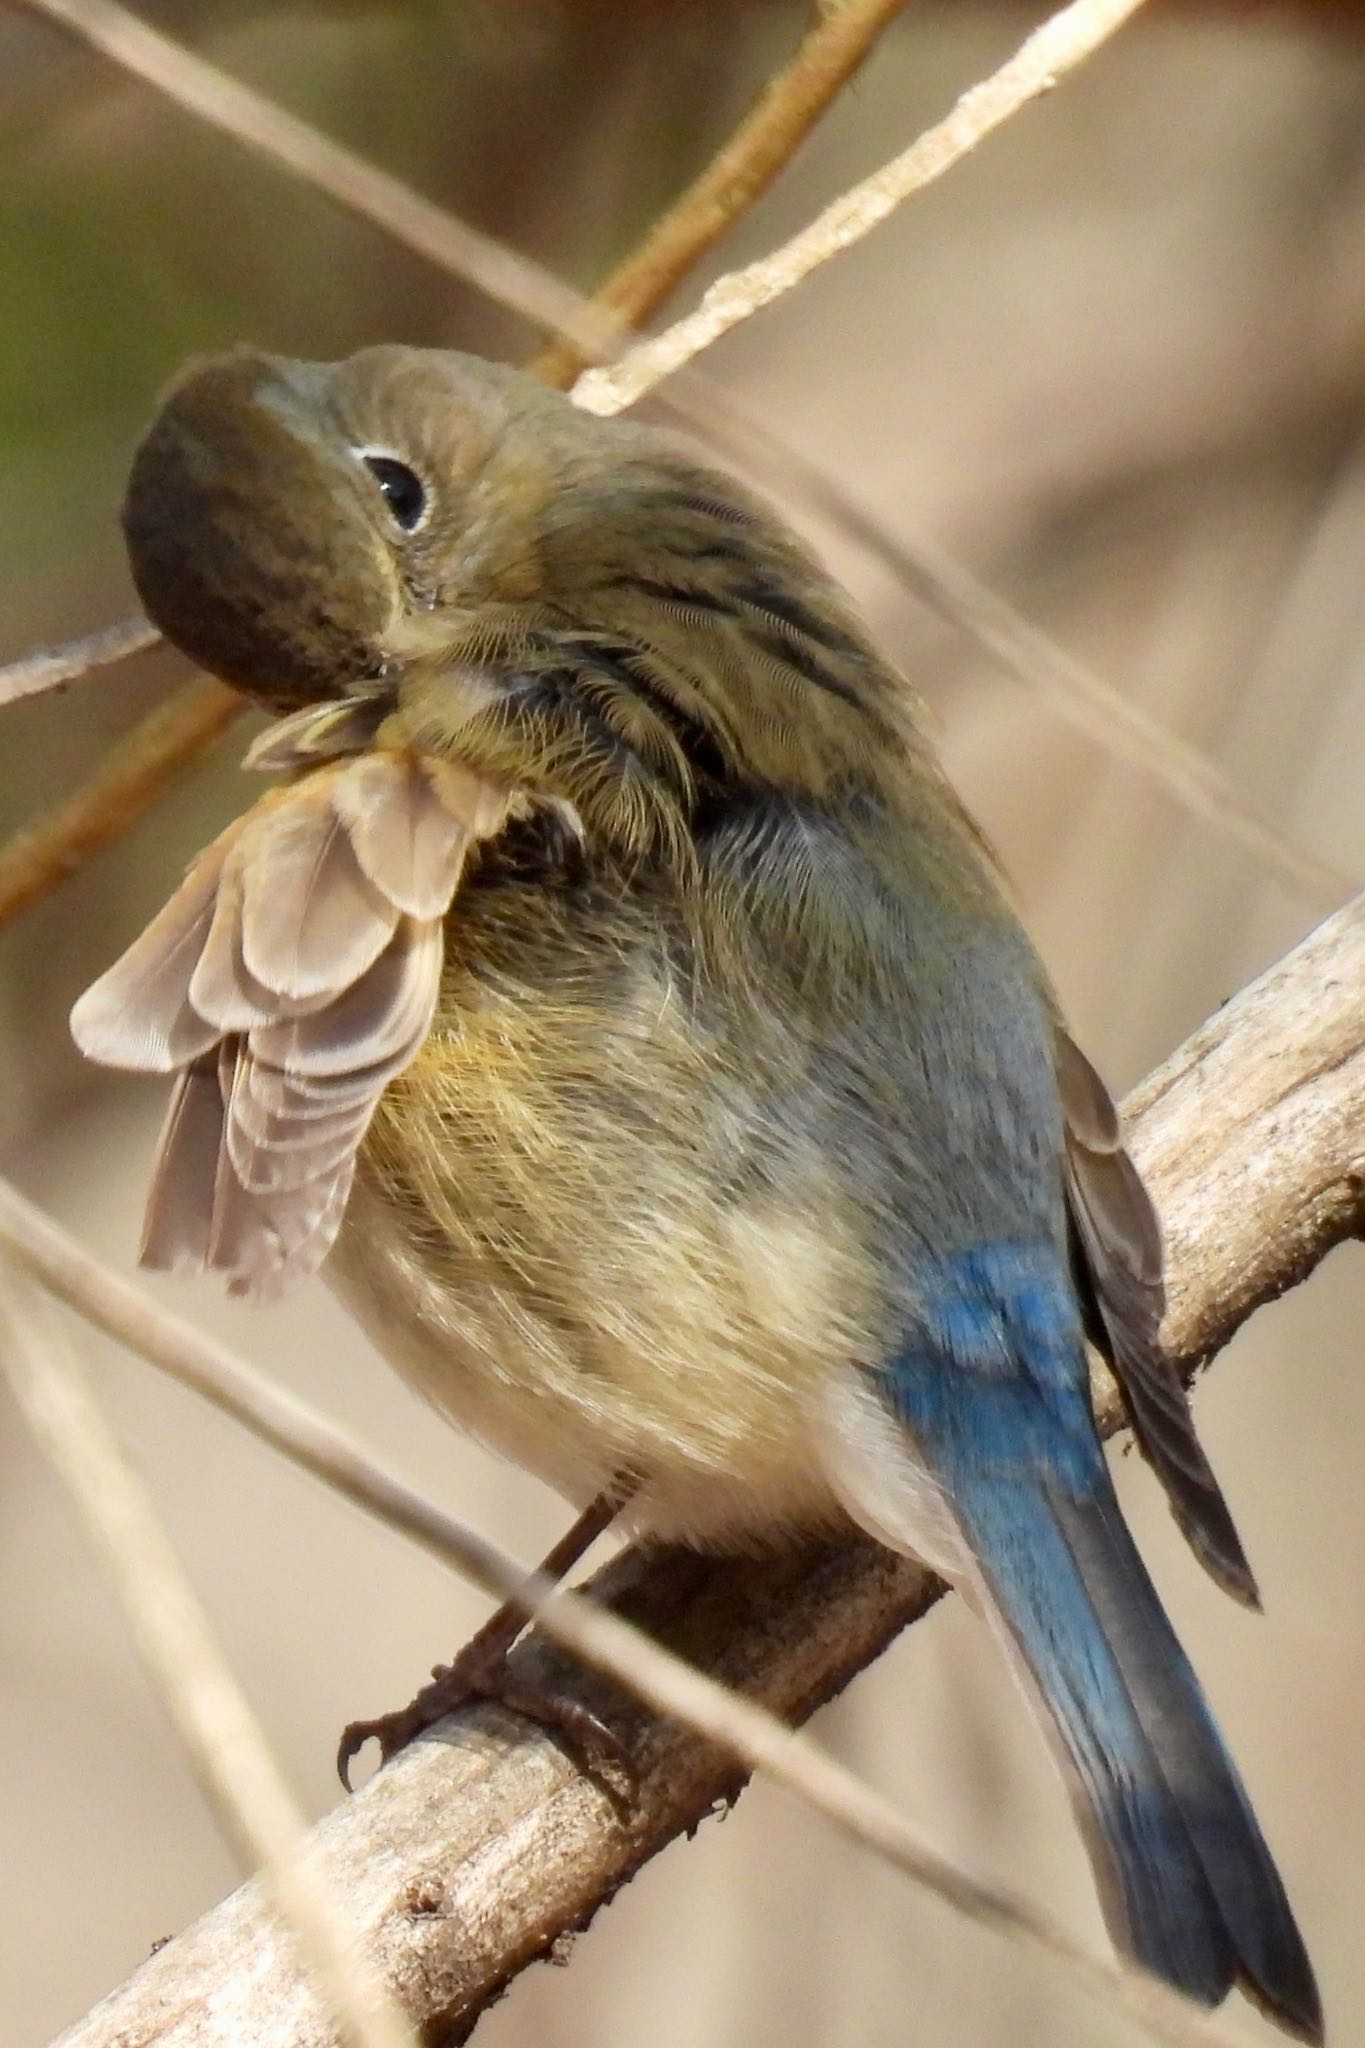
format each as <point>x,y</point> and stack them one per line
<point>764,143</point>
<point>134,772</point>
<point>477,1850</point>
<point>222,1737</point>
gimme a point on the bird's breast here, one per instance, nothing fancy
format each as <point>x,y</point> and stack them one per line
<point>593,1225</point>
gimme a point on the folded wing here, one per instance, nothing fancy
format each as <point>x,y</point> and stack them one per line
<point>1119,1276</point>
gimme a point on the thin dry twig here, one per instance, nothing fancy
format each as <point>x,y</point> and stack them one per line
<point>1062,42</point>
<point>52,668</point>
<point>134,772</point>
<point>221,1736</point>
<point>671,1687</point>
<point>742,170</point>
<point>1253,1139</point>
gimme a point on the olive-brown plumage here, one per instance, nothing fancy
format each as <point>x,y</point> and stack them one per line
<point>737,1146</point>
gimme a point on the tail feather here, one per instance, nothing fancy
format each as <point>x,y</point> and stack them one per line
<point>985,1411</point>
<point>1188,1884</point>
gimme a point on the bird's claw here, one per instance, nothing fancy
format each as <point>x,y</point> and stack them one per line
<point>391,1731</point>
<point>600,1750</point>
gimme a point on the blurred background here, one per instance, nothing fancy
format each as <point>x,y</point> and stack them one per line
<point>1116,363</point>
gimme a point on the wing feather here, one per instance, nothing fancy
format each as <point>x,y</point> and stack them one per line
<point>319,732</point>
<point>311,922</point>
<point>290,978</point>
<point>223,989</point>
<point>1118,1239</point>
<point>372,1022</point>
<point>410,842</point>
<point>139,1014</point>
<point>178,1222</point>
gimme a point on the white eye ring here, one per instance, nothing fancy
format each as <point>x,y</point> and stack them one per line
<point>403,491</point>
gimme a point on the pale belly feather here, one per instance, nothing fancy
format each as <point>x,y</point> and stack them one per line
<point>699,1367</point>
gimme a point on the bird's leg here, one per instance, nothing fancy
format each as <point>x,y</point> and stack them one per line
<point>480,1670</point>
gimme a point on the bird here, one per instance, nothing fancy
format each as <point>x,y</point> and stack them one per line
<point>617,997</point>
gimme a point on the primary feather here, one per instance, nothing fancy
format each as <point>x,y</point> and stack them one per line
<point>1119,1273</point>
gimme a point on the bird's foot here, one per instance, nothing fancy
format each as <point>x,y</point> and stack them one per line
<point>477,1674</point>
<point>481,1672</point>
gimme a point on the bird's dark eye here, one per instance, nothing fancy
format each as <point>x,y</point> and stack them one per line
<point>404,492</point>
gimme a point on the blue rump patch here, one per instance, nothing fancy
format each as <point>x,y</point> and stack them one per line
<point>990,1374</point>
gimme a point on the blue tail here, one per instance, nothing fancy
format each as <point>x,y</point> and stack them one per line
<point>994,1395</point>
